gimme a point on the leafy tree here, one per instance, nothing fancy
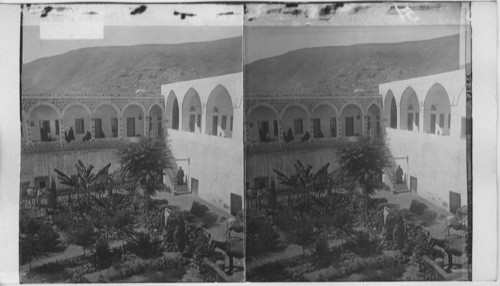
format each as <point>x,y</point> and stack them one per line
<point>362,164</point>
<point>145,163</point>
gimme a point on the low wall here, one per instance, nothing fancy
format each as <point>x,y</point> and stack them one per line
<point>217,164</point>
<point>42,164</point>
<point>438,162</point>
<point>262,164</point>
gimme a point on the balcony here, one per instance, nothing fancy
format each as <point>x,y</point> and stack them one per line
<point>57,146</point>
<point>268,147</point>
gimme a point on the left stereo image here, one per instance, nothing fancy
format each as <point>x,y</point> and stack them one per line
<point>132,144</point>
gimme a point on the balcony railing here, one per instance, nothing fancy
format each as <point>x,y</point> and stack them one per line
<point>90,95</point>
<point>267,147</point>
<point>57,146</point>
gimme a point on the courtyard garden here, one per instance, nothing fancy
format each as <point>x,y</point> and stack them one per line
<point>345,227</point>
<point>120,228</point>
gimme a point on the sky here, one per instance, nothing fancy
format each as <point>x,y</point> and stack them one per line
<point>75,26</point>
<point>35,48</point>
<point>265,35</point>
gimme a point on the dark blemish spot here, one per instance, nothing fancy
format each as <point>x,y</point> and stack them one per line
<point>330,9</point>
<point>251,19</point>
<point>294,12</point>
<point>184,15</point>
<point>139,10</point>
<point>274,10</point>
<point>28,6</point>
<point>91,13</point>
<point>60,9</point>
<point>227,13</point>
<point>292,5</point>
<point>359,8</point>
<point>46,11</point>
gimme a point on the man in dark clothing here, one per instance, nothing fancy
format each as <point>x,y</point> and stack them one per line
<point>71,135</point>
<point>87,136</point>
<point>399,175</point>
<point>180,177</point>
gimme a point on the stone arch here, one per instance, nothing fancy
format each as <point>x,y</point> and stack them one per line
<point>373,126</point>
<point>155,117</point>
<point>409,110</point>
<point>76,119</point>
<point>390,111</point>
<point>44,123</point>
<point>172,111</point>
<point>324,120</point>
<point>437,121</point>
<point>191,112</point>
<point>219,113</point>
<point>351,117</point>
<point>56,109</point>
<point>133,115</point>
<point>263,124</point>
<point>295,121</point>
<point>106,120</point>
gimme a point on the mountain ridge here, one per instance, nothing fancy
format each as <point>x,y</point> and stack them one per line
<point>344,69</point>
<point>127,69</point>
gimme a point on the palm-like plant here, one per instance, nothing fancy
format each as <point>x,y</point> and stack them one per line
<point>83,183</point>
<point>145,163</point>
<point>304,181</point>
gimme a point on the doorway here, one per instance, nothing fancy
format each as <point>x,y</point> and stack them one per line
<point>236,204</point>
<point>130,126</point>
<point>98,128</point>
<point>433,123</point>
<point>410,121</point>
<point>194,186</point>
<point>192,120</point>
<point>317,128</point>
<point>215,122</point>
<point>413,184</point>
<point>455,201</point>
<point>264,131</point>
<point>349,126</point>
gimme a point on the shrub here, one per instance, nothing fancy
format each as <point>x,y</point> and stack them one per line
<point>48,239</point>
<point>102,253</point>
<point>82,234</point>
<point>321,251</point>
<point>418,207</point>
<point>146,246</point>
<point>198,209</point>
<point>267,238</point>
<point>28,249</point>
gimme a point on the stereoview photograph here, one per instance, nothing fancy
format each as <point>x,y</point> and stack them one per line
<point>355,142</point>
<point>132,144</point>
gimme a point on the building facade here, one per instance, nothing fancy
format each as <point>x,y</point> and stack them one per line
<point>205,127</point>
<point>60,129</point>
<point>281,129</point>
<point>203,119</point>
<point>425,122</point>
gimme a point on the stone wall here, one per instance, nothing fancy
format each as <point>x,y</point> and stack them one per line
<point>261,165</point>
<point>42,164</point>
